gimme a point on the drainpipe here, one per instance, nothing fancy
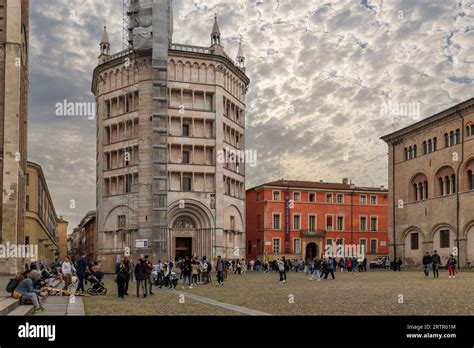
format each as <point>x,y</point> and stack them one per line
<point>395,142</point>
<point>458,186</point>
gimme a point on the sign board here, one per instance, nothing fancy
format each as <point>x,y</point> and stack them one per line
<point>268,243</point>
<point>141,243</point>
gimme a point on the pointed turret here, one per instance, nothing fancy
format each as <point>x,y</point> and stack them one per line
<point>104,44</point>
<point>241,57</point>
<point>216,33</point>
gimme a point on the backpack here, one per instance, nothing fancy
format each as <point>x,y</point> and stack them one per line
<point>13,283</point>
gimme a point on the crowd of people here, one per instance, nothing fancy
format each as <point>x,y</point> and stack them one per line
<point>196,271</point>
<point>30,285</point>
<point>193,271</point>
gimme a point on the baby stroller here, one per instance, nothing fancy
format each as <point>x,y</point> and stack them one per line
<point>170,281</point>
<point>98,287</point>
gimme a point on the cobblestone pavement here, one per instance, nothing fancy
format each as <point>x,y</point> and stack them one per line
<point>163,302</point>
<point>371,293</point>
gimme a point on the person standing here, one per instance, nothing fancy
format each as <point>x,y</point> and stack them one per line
<point>186,272</point>
<point>81,272</point>
<point>282,269</point>
<point>436,261</point>
<point>149,269</point>
<point>364,264</point>
<point>427,261</point>
<point>398,265</point>
<point>452,266</point>
<point>194,273</point>
<point>329,268</point>
<point>66,269</point>
<point>140,277</point>
<point>316,270</point>
<point>220,268</point>
<point>128,272</point>
<point>121,276</point>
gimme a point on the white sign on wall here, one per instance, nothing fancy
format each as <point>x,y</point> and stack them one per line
<point>141,243</point>
<point>268,243</point>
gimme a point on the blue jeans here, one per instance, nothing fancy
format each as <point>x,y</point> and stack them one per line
<point>426,270</point>
<point>31,296</point>
<point>317,273</point>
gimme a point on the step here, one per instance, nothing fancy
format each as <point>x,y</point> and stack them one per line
<point>7,305</point>
<point>22,311</point>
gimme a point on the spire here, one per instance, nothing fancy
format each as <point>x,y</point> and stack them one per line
<point>105,43</point>
<point>216,33</point>
<point>240,56</point>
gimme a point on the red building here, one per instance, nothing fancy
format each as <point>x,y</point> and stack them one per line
<point>297,219</point>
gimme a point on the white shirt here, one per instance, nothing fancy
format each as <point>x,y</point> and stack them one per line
<point>67,268</point>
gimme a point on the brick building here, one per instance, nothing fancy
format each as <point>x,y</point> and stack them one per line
<point>297,219</point>
<point>431,186</point>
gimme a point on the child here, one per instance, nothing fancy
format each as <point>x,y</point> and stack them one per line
<point>452,266</point>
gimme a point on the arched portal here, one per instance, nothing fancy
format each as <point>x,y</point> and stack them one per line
<point>312,251</point>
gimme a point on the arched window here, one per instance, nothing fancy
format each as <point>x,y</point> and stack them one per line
<point>446,179</point>
<point>410,152</point>
<point>468,131</point>
<point>425,148</point>
<point>406,154</point>
<point>458,136</point>
<point>414,151</point>
<point>451,138</point>
<point>446,140</point>
<point>419,189</point>
<point>435,141</point>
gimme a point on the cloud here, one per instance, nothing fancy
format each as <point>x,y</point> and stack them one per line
<point>320,72</point>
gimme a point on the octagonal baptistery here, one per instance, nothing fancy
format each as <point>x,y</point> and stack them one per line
<point>205,196</point>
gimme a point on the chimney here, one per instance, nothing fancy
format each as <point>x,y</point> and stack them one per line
<point>382,187</point>
<point>345,181</point>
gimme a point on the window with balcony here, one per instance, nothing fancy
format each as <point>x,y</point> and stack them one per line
<point>312,223</point>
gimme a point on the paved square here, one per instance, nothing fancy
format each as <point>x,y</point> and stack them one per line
<point>371,293</point>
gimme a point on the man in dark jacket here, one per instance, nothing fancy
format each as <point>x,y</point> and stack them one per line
<point>436,261</point>
<point>81,272</point>
<point>329,268</point>
<point>427,261</point>
<point>140,277</point>
<point>220,268</point>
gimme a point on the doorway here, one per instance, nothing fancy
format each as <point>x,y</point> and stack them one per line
<point>311,251</point>
<point>184,247</point>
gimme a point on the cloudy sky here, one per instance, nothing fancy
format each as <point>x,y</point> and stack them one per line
<point>321,73</point>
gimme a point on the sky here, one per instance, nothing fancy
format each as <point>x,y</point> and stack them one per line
<point>328,79</point>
